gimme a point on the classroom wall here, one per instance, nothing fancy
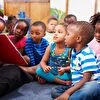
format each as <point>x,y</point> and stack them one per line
<point>33,10</point>
<point>98,6</point>
<point>83,9</point>
<point>40,9</point>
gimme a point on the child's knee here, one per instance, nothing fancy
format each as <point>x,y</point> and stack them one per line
<point>39,71</point>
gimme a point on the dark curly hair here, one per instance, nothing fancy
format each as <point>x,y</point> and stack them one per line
<point>95,19</point>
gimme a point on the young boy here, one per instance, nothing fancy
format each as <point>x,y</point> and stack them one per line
<point>84,68</point>
<point>51,23</point>
<point>35,46</point>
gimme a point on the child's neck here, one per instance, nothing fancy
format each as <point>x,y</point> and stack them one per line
<point>60,45</point>
<point>59,49</point>
<point>79,47</point>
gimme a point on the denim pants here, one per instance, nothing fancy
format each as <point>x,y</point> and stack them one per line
<point>89,91</point>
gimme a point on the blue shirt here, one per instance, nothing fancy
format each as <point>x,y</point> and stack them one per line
<point>35,51</point>
<point>84,61</point>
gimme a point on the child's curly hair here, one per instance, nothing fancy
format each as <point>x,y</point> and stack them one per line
<point>95,19</point>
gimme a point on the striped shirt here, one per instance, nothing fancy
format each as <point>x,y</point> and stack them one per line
<point>84,61</point>
<point>35,51</point>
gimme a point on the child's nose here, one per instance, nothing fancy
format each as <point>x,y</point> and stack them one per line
<point>33,35</point>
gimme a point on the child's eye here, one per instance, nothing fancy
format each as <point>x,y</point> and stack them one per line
<point>38,33</point>
<point>31,32</point>
<point>97,32</point>
<point>60,32</point>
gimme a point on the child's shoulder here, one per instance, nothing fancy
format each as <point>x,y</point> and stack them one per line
<point>44,41</point>
<point>88,50</point>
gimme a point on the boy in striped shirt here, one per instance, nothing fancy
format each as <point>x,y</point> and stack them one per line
<point>84,65</point>
<point>35,46</point>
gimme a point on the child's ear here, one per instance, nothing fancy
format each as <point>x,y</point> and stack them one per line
<point>79,39</point>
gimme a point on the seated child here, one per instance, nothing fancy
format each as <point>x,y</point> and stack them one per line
<point>11,76</point>
<point>2,24</point>
<point>55,64</point>
<point>84,67</point>
<point>70,18</point>
<point>51,23</point>
<point>95,43</point>
<point>19,38</point>
<point>10,23</point>
<point>35,46</point>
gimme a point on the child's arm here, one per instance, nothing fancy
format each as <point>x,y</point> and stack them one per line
<point>45,60</point>
<point>67,93</point>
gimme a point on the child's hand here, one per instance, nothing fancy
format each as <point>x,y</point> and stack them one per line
<point>47,69</point>
<point>64,96</point>
<point>26,58</point>
<point>61,70</point>
<point>68,83</point>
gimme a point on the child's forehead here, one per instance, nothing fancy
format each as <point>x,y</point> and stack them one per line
<point>52,21</point>
<point>59,26</point>
<point>38,27</point>
<point>21,24</point>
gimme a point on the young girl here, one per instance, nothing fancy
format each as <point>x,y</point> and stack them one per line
<point>95,43</point>
<point>56,55</point>
<point>11,76</point>
<point>19,39</point>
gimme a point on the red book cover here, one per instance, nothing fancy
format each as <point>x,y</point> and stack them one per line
<point>9,53</point>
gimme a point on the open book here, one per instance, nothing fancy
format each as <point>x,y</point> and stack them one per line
<point>9,53</point>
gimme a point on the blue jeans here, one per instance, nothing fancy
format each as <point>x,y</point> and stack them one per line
<point>90,91</point>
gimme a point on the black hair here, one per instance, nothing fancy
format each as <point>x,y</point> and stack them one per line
<point>10,19</point>
<point>85,29</point>
<point>69,16</point>
<point>27,25</point>
<point>95,19</point>
<point>40,23</point>
<point>52,18</point>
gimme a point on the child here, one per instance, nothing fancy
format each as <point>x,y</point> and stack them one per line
<point>95,43</point>
<point>70,18</point>
<point>84,68</point>
<point>2,24</point>
<point>35,45</point>
<point>19,39</point>
<point>57,69</point>
<point>10,23</point>
<point>11,76</point>
<point>51,23</point>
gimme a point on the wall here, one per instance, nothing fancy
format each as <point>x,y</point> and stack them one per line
<point>83,9</point>
<point>98,6</point>
<point>35,11</point>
